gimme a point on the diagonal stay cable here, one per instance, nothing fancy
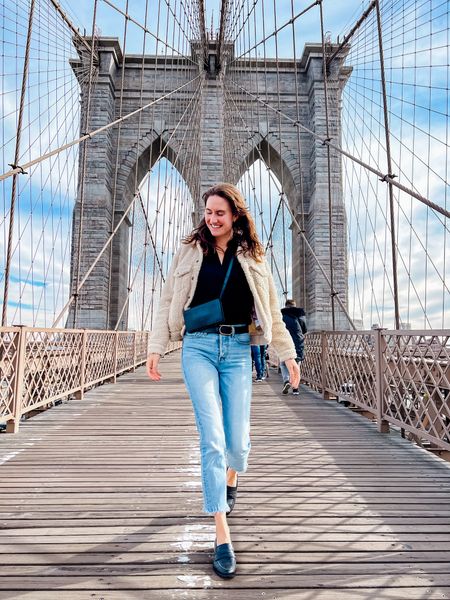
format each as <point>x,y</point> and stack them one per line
<point>20,169</point>
<point>350,34</point>
<point>324,273</point>
<point>234,21</point>
<point>252,8</point>
<point>158,39</point>
<point>385,177</point>
<point>113,233</point>
<point>269,244</point>
<point>277,31</point>
<point>71,26</point>
<point>309,247</point>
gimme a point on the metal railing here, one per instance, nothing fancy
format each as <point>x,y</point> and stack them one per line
<point>40,366</point>
<point>400,377</point>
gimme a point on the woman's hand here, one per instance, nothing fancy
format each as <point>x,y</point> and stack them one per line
<point>152,367</point>
<point>294,372</point>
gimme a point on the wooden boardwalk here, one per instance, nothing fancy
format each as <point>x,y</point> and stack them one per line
<point>100,500</point>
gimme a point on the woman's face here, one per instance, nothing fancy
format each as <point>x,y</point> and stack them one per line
<point>219,218</point>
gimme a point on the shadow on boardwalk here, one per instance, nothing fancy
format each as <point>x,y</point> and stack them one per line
<point>101,499</point>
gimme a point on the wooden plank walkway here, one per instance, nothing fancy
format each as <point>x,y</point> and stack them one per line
<point>100,499</point>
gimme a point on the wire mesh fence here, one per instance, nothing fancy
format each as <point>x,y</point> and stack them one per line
<point>399,377</point>
<point>40,366</point>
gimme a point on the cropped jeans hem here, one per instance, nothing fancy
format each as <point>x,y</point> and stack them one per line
<point>217,371</point>
<point>213,511</point>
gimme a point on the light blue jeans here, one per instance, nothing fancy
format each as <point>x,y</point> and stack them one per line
<point>217,371</point>
<point>284,372</point>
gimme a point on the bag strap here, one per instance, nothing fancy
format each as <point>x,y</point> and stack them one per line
<point>227,276</point>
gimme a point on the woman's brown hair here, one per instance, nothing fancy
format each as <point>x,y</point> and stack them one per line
<point>244,230</point>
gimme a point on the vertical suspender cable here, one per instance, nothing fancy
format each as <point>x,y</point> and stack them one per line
<point>283,230</point>
<point>137,160</point>
<point>202,24</point>
<point>151,162</point>
<point>389,166</point>
<point>330,203</point>
<point>84,149</point>
<point>116,167</point>
<point>302,252</point>
<point>16,160</point>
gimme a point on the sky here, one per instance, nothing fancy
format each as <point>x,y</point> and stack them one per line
<point>338,15</point>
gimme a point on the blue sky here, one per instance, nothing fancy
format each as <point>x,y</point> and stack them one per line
<point>338,16</point>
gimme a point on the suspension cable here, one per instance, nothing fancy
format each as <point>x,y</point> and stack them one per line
<point>386,177</point>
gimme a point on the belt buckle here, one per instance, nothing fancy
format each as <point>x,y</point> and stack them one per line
<point>223,333</point>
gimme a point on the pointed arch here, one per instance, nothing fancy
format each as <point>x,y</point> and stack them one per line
<point>272,220</point>
<point>285,167</point>
<point>136,166</point>
<point>141,157</point>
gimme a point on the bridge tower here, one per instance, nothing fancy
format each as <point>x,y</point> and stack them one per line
<point>115,164</point>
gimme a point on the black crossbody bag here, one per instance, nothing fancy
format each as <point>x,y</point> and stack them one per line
<point>208,314</point>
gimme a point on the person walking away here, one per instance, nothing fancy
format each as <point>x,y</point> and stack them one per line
<point>259,358</point>
<point>217,280</point>
<point>295,321</point>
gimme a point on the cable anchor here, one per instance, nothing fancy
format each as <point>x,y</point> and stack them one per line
<point>388,176</point>
<point>21,170</point>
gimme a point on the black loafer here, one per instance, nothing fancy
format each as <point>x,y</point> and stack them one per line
<point>231,496</point>
<point>224,563</point>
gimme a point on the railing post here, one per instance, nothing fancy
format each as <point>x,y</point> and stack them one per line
<point>12,426</point>
<point>380,345</point>
<point>134,351</point>
<point>324,358</point>
<point>80,394</point>
<point>116,353</point>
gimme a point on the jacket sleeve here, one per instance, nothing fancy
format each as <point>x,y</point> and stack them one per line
<point>159,335</point>
<point>298,340</point>
<point>302,322</point>
<point>281,338</point>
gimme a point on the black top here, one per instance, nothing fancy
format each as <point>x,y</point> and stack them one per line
<point>237,299</point>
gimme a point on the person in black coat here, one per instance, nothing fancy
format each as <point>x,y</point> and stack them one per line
<point>295,321</point>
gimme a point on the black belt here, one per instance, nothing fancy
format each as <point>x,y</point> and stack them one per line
<point>226,329</point>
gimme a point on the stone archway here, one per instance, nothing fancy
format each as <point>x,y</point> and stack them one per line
<point>108,295</point>
<point>265,150</point>
<point>152,147</point>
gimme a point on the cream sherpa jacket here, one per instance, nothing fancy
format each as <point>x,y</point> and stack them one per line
<point>179,289</point>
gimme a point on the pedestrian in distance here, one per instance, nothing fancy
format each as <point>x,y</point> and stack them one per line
<point>295,321</point>
<point>259,360</point>
<point>217,279</point>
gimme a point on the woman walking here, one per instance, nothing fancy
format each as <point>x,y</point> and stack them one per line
<point>217,285</point>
